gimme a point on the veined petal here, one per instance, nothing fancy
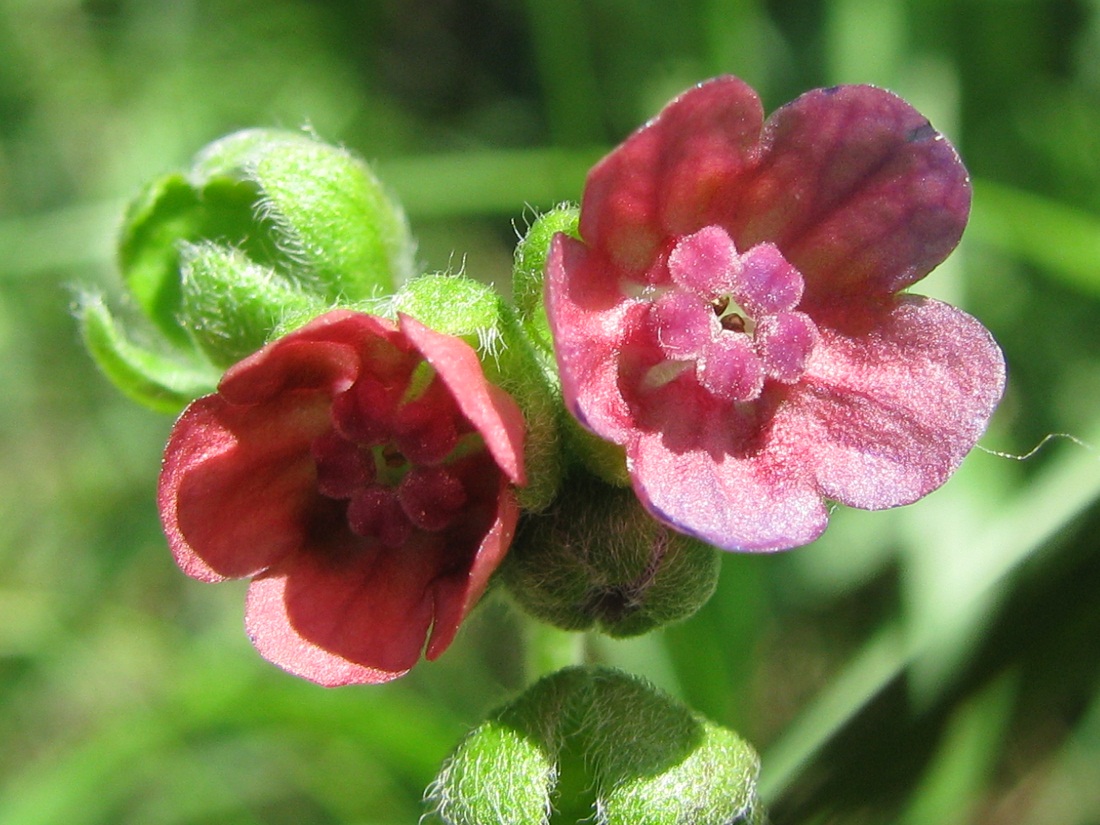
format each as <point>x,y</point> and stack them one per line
<point>890,404</point>
<point>238,483</point>
<point>672,175</point>
<point>735,501</point>
<point>857,190</point>
<point>359,617</point>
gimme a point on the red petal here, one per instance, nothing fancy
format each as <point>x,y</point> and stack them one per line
<point>889,406</point>
<point>859,192</point>
<point>673,175</point>
<point>237,487</point>
<point>456,595</point>
<point>491,410</point>
<point>360,618</point>
<point>325,354</point>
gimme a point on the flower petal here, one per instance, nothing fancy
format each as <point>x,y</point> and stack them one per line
<point>238,484</point>
<point>734,501</point>
<point>856,188</point>
<point>325,354</point>
<point>456,595</point>
<point>590,319</point>
<point>891,402</point>
<point>360,617</point>
<point>671,176</point>
<point>491,410</point>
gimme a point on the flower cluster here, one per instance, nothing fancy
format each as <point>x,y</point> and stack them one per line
<point>726,322</point>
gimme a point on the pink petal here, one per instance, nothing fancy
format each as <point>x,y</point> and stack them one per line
<point>860,193</point>
<point>766,283</point>
<point>492,411</point>
<point>705,262</point>
<point>734,500</point>
<point>892,402</point>
<point>238,486</point>
<point>590,319</point>
<point>671,176</point>
<point>360,618</point>
<point>785,342</point>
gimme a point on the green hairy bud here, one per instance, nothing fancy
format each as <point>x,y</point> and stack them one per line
<point>598,560</point>
<point>596,745</point>
<point>266,225</point>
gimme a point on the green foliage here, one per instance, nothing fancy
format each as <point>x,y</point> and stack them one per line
<point>266,226</point>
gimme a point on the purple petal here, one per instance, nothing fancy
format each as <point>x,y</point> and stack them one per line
<point>785,342</point>
<point>683,323</point>
<point>735,501</point>
<point>859,192</point>
<point>705,262</point>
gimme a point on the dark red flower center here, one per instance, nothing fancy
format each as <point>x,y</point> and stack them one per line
<point>729,317</point>
<point>391,455</point>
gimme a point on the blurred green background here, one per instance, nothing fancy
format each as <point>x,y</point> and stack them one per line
<point>935,664</point>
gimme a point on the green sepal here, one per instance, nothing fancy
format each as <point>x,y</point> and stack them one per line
<point>456,305</point>
<point>170,211</point>
<point>231,305</point>
<point>161,382</point>
<point>529,269</point>
<point>598,560</point>
<point>597,745</point>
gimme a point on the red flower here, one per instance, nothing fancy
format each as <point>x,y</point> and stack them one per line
<point>359,473</point>
<point>733,316</point>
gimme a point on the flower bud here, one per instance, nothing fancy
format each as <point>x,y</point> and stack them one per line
<point>598,559</point>
<point>644,759</point>
<point>530,265</point>
<point>266,224</point>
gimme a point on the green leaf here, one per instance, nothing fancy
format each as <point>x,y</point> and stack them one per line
<point>159,382</point>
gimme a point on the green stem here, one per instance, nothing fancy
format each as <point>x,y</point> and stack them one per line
<point>550,649</point>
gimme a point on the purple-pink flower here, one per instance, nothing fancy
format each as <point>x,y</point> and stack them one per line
<point>360,473</point>
<point>734,315</point>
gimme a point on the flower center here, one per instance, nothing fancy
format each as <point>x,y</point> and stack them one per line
<point>391,456</point>
<point>731,316</point>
